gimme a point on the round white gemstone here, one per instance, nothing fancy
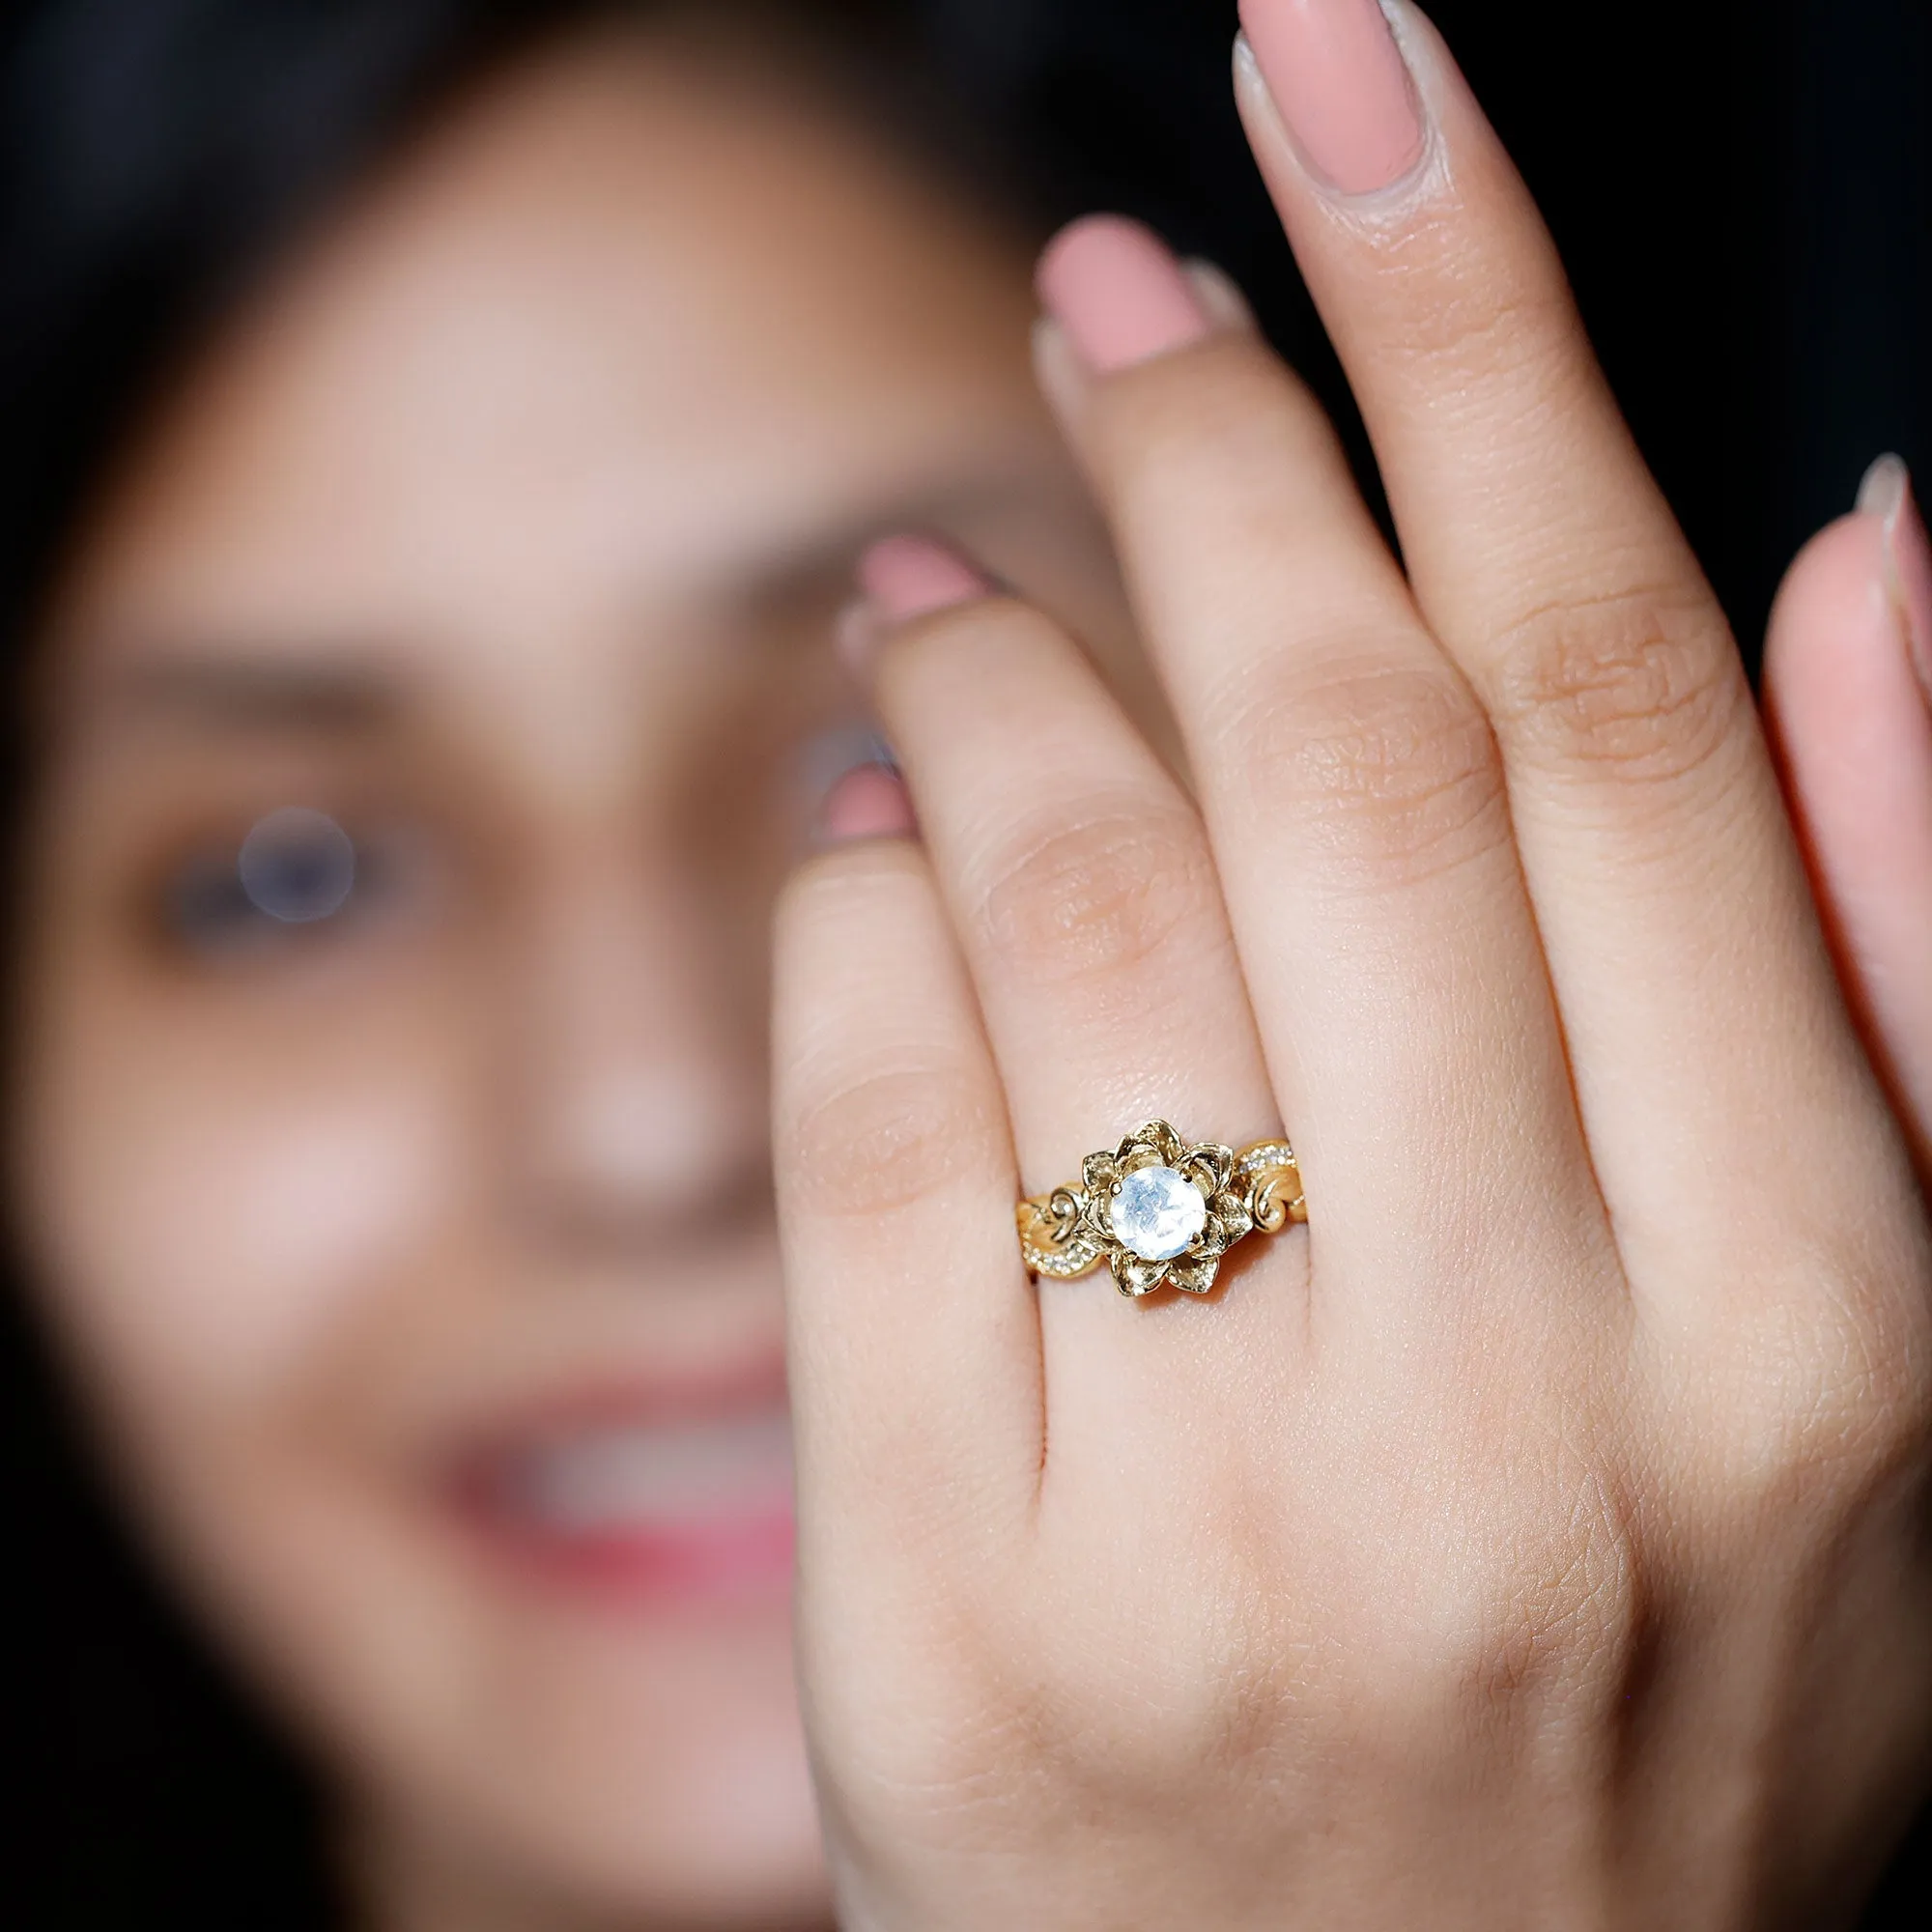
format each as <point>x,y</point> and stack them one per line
<point>1157,1213</point>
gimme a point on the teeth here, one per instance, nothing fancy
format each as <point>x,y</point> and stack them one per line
<point>615,1477</point>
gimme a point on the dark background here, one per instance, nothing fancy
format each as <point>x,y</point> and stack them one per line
<point>1743,193</point>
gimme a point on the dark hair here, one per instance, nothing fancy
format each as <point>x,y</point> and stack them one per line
<point>156,153</point>
<point>155,156</point>
<point>156,159</point>
<point>159,156</point>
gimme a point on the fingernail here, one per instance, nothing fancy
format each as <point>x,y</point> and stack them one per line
<point>1219,295</point>
<point>909,577</point>
<point>1887,494</point>
<point>900,578</point>
<point>1342,87</point>
<point>870,802</point>
<point>1116,288</point>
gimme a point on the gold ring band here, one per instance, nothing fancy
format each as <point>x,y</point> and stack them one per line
<point>1161,1211</point>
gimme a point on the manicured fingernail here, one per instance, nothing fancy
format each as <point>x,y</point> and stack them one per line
<point>870,802</point>
<point>910,576</point>
<point>1342,87</point>
<point>1117,289</point>
<point>900,578</point>
<point>1218,293</point>
<point>1887,494</point>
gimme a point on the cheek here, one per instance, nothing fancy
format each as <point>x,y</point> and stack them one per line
<point>212,1217</point>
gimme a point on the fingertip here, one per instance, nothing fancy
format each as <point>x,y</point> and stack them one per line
<point>1219,293</point>
<point>1115,288</point>
<point>1852,737</point>
<point>1832,653</point>
<point>1883,487</point>
<point>1336,74</point>
<point>911,575</point>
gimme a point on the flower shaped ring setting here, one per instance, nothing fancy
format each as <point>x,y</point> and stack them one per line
<point>1159,1211</point>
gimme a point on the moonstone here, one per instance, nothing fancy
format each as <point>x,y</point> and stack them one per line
<point>1157,1213</point>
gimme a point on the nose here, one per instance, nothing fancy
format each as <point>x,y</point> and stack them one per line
<point>635,1047</point>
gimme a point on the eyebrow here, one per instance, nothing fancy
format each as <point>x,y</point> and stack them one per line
<point>333,691</point>
<point>813,556</point>
<point>259,694</point>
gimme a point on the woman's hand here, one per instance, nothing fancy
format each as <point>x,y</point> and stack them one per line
<point>1538,1539</point>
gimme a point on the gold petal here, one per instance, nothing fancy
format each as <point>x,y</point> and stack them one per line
<point>1195,1275</point>
<point>1093,1217</point>
<point>1211,1158</point>
<point>1232,1212</point>
<point>1134,1276</point>
<point>1158,1137</point>
<point>1099,1172</point>
<point>1214,1242</point>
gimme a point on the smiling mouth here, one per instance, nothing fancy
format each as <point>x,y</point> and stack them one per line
<point>692,1510</point>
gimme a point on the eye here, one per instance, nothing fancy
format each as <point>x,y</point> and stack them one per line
<point>295,869</point>
<point>296,866</point>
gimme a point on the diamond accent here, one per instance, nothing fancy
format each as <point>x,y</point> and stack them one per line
<point>1157,1213</point>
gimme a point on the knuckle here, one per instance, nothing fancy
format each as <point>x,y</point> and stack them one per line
<point>1392,771</point>
<point>1639,687</point>
<point>1098,899</point>
<point>1833,1380</point>
<point>888,1137</point>
<point>1528,1589</point>
<point>1570,1606</point>
<point>932,1754</point>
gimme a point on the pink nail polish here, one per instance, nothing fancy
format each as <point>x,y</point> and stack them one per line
<point>870,802</point>
<point>1119,293</point>
<point>911,577</point>
<point>1886,492</point>
<point>1340,83</point>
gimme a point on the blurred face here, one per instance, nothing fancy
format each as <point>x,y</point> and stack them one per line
<point>431,711</point>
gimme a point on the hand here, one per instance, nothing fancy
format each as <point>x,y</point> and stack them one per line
<point>1537,1540</point>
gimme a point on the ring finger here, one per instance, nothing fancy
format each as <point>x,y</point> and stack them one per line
<point>1079,880</point>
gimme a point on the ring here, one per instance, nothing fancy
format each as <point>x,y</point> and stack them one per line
<point>1159,1212</point>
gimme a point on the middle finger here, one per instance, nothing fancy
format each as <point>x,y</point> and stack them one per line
<point>1351,783</point>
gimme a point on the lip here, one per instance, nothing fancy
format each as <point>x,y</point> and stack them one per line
<point>647,1496</point>
<point>746,1560</point>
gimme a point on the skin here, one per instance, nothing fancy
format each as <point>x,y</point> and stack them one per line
<point>1852,727</point>
<point>507,530</point>
<point>1538,1537</point>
